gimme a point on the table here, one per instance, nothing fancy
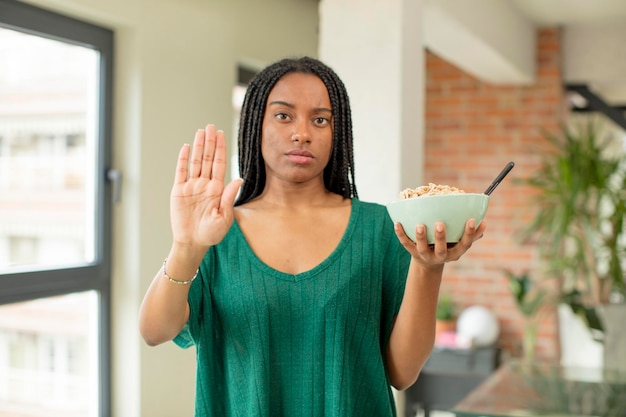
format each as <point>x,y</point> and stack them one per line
<point>448,376</point>
<point>519,389</point>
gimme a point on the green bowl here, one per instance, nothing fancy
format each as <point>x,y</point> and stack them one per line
<point>454,210</point>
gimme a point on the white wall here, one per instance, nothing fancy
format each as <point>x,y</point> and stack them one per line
<point>595,53</point>
<point>379,55</point>
<point>489,39</point>
<point>175,66</point>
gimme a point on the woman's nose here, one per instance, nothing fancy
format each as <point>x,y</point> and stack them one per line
<point>301,134</point>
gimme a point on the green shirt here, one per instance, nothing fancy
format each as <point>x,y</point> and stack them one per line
<point>307,345</point>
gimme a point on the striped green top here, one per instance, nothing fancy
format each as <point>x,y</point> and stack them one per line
<point>272,344</point>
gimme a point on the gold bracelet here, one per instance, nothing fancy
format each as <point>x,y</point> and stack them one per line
<point>175,281</point>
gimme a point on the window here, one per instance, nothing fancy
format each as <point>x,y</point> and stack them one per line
<point>55,100</point>
<point>245,74</point>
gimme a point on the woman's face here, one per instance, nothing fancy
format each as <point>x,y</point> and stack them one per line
<point>297,134</point>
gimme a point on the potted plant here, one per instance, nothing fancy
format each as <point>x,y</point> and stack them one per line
<point>580,203</point>
<point>445,315</point>
<point>529,300</point>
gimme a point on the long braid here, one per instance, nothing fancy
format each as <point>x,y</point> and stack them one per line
<point>339,173</point>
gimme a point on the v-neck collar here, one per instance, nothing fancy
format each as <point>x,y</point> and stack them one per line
<point>258,263</point>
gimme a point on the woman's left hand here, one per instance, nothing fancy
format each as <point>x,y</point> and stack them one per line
<point>439,253</point>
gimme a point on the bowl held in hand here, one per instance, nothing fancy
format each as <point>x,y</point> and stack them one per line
<point>454,210</point>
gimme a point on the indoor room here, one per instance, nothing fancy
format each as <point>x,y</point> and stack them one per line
<point>97,99</point>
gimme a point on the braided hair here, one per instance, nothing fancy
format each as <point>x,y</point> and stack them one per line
<point>339,172</point>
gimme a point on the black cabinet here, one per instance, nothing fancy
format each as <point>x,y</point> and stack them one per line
<point>448,376</point>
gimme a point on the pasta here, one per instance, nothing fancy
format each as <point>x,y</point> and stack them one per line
<point>430,189</point>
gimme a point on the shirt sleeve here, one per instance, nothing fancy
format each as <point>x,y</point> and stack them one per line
<point>189,334</point>
<point>184,339</point>
<point>395,269</point>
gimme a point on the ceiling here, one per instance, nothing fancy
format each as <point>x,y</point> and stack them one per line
<point>497,45</point>
<point>557,12</point>
<point>582,12</point>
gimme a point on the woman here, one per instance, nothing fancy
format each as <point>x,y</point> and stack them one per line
<point>304,301</point>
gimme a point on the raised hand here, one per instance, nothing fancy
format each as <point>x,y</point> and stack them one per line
<point>201,207</point>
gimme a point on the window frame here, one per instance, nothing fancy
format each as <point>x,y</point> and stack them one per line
<point>41,283</point>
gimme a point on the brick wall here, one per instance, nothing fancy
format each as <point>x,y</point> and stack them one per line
<point>472,130</point>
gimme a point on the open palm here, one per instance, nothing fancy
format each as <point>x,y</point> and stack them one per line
<point>201,206</point>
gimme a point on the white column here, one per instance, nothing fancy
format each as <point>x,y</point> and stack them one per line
<point>376,48</point>
<point>5,366</point>
<point>5,163</point>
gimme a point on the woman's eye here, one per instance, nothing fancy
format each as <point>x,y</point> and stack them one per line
<point>321,121</point>
<point>282,116</point>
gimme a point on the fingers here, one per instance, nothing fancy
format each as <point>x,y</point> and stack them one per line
<point>218,168</point>
<point>208,159</point>
<point>473,233</point>
<point>421,239</point>
<point>414,248</point>
<point>181,165</point>
<point>402,237</point>
<point>230,192</point>
<point>470,235</point>
<point>441,243</point>
<point>481,230</point>
<point>208,155</point>
<point>196,155</point>
<point>439,251</point>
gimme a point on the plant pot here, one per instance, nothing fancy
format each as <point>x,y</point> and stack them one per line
<point>444,326</point>
<point>614,317</point>
<point>578,348</point>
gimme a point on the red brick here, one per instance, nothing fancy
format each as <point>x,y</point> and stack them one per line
<point>472,129</point>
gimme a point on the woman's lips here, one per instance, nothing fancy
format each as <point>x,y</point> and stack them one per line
<point>300,156</point>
